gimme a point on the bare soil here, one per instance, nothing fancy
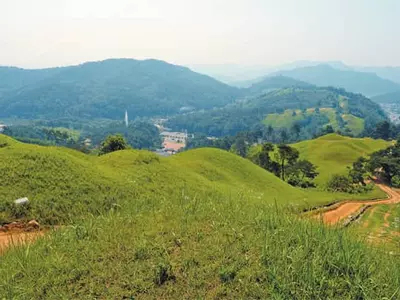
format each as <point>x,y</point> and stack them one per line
<point>16,234</point>
<point>346,209</point>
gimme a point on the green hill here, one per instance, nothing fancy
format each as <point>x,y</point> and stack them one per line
<point>332,153</point>
<point>368,84</point>
<point>271,83</point>
<point>107,88</point>
<point>311,108</point>
<point>63,184</point>
<point>201,224</point>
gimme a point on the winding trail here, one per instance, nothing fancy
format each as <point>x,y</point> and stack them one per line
<point>346,209</point>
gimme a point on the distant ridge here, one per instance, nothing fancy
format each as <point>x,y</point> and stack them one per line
<point>105,89</point>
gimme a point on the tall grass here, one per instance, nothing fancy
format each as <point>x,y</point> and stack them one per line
<point>189,247</point>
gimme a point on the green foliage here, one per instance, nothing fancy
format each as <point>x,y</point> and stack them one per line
<point>396,181</point>
<point>340,183</point>
<point>334,154</point>
<point>242,247</point>
<point>358,171</point>
<point>344,111</point>
<point>344,184</point>
<point>107,88</point>
<point>113,143</point>
<point>148,227</point>
<point>286,157</point>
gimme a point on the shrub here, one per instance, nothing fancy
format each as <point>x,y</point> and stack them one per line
<point>396,181</point>
<point>163,273</point>
<point>342,183</point>
<point>113,143</point>
<point>339,183</point>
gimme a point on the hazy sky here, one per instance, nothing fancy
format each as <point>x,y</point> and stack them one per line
<point>41,33</point>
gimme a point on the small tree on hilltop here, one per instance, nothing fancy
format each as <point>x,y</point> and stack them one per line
<point>286,156</point>
<point>113,143</point>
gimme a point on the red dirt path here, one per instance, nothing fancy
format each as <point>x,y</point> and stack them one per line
<point>348,208</point>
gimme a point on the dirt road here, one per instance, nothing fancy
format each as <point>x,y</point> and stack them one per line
<point>8,239</point>
<point>348,208</point>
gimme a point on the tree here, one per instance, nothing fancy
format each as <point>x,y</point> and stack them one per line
<point>306,169</point>
<point>270,132</point>
<point>382,130</point>
<point>240,147</point>
<point>296,129</point>
<point>286,156</point>
<point>328,129</point>
<point>339,183</point>
<point>358,171</point>
<point>284,135</point>
<point>113,143</point>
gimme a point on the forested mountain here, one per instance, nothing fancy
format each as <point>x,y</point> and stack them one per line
<point>272,83</point>
<point>389,98</point>
<point>390,73</point>
<point>309,109</point>
<point>368,84</point>
<point>105,89</point>
<point>12,78</point>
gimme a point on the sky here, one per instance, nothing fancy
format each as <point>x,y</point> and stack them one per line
<point>46,33</point>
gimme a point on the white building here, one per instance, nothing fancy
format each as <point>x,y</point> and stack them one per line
<point>2,127</point>
<point>178,137</point>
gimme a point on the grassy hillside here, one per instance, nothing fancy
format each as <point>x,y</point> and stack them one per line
<point>63,184</point>
<point>337,107</point>
<point>381,224</point>
<point>201,224</point>
<point>290,117</point>
<point>334,153</point>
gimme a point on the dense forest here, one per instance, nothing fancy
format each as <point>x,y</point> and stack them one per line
<point>139,134</point>
<point>250,114</point>
<point>106,89</point>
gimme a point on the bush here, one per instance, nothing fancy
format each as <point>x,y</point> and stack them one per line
<point>113,143</point>
<point>396,181</point>
<point>339,183</point>
<point>342,183</point>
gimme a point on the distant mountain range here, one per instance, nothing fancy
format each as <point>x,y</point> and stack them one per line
<point>152,88</point>
<point>368,84</point>
<point>389,98</point>
<point>370,81</point>
<point>106,89</point>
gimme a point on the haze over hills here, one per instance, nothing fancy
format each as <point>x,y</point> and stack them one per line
<point>389,98</point>
<point>106,89</point>
<point>368,84</point>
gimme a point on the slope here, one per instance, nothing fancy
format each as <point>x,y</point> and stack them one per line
<point>348,109</point>
<point>368,84</point>
<point>271,83</point>
<point>389,98</point>
<point>105,89</point>
<point>196,227</point>
<point>332,153</point>
<point>63,184</point>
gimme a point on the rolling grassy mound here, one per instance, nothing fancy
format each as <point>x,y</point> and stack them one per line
<point>63,183</point>
<point>332,153</point>
<point>201,224</point>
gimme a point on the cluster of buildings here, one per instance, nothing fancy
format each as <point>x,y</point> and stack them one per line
<point>173,142</point>
<point>2,127</point>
